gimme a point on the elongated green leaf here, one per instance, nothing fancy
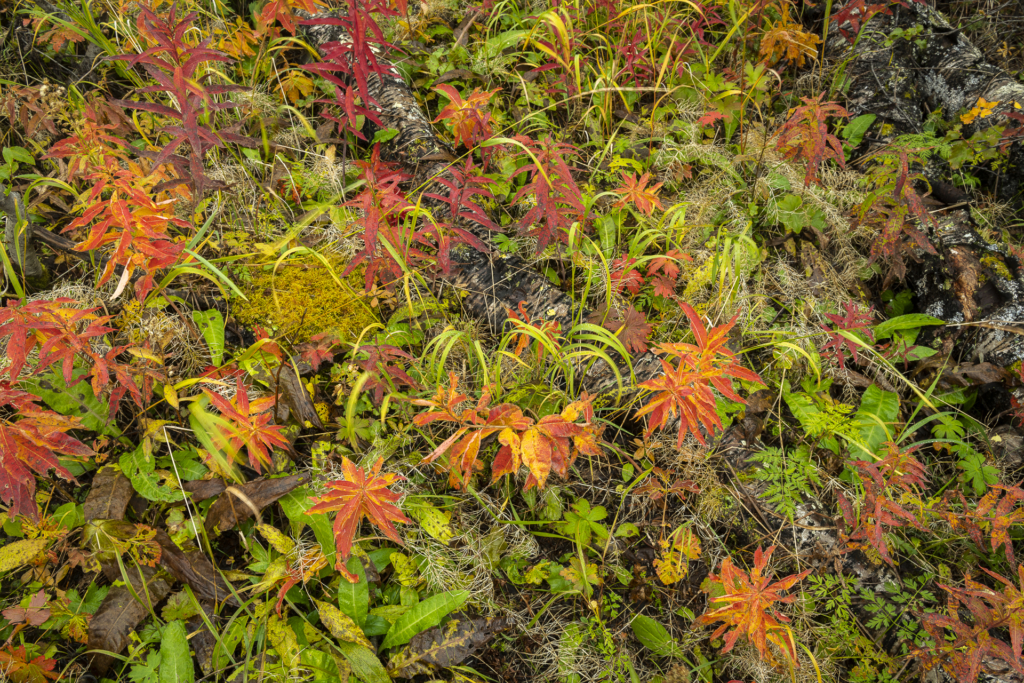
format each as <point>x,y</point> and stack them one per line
<point>175,659</point>
<point>424,615</point>
<point>211,324</point>
<point>904,322</point>
<point>294,506</point>
<point>655,637</point>
<point>354,598</point>
<point>364,663</point>
<point>877,412</point>
<point>854,131</point>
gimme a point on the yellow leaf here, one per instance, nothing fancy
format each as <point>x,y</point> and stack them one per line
<point>434,521</point>
<point>284,641</point>
<point>276,539</point>
<point>341,625</point>
<point>171,396</point>
<point>405,568</point>
<point>675,551</point>
<point>14,555</point>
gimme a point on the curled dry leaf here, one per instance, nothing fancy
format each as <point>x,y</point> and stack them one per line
<point>231,508</point>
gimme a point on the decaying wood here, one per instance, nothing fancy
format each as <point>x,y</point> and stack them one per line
<point>901,82</point>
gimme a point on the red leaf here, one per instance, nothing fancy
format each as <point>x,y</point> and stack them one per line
<point>805,136</point>
<point>250,424</point>
<point>748,606</point>
<point>31,444</point>
<point>629,325</point>
<point>363,493</point>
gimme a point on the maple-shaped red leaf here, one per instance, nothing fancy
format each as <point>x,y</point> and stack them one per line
<point>805,136</point>
<point>363,493</point>
<point>749,599</point>
<point>33,615</point>
<point>636,191</point>
<point>17,666</point>
<point>318,349</point>
<point>685,390</point>
<point>30,445</point>
<point>628,324</point>
<point>250,424</point>
<point>469,121</point>
<point>283,12</point>
<point>383,362</point>
<point>668,264</point>
<point>624,275</point>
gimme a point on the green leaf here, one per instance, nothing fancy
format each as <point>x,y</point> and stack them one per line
<point>655,637</point>
<point>904,322</point>
<point>426,614</point>
<point>139,469</point>
<point>175,659</point>
<point>877,412</point>
<point>354,598</point>
<point>364,663</point>
<point>854,131</point>
<point>211,324</point>
<point>791,213</point>
<point>294,506</point>
<point>77,401</point>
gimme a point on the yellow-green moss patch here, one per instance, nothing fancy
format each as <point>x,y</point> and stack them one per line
<point>302,298</point>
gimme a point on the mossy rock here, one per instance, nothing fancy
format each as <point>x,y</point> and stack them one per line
<point>302,298</point>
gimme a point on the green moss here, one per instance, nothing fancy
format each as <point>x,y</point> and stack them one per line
<point>997,266</point>
<point>303,299</point>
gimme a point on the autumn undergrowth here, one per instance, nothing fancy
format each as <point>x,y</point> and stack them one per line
<point>250,431</point>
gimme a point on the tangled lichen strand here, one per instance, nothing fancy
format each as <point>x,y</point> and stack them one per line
<point>303,299</point>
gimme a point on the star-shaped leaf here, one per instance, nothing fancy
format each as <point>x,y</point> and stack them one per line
<point>363,493</point>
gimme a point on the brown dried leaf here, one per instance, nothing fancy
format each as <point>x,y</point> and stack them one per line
<point>204,488</point>
<point>120,613</point>
<point>111,492</point>
<point>203,641</point>
<point>233,505</point>
<point>195,570</point>
<point>444,646</point>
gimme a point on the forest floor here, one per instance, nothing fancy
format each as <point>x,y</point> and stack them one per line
<point>602,340</point>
